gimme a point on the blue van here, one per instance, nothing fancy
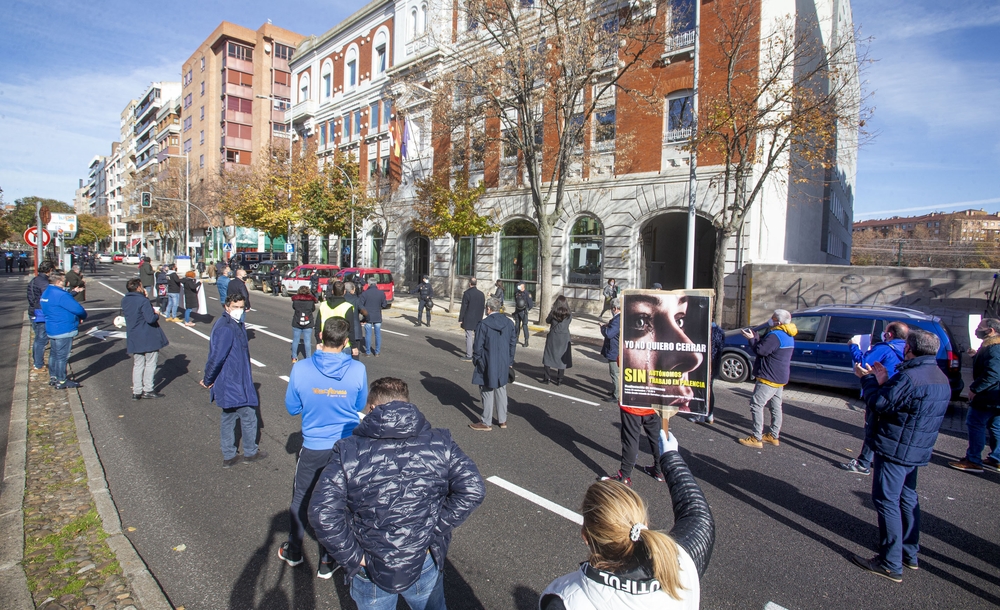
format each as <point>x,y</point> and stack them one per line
<point>822,355</point>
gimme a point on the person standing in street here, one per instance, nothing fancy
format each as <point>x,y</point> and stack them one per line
<point>522,305</point>
<point>337,306</point>
<point>609,350</point>
<point>191,286</point>
<point>888,351</point>
<point>908,411</point>
<point>8,258</point>
<point>425,298</point>
<point>610,292</point>
<point>222,284</point>
<point>471,314</point>
<point>36,287</point>
<point>372,302</point>
<point>498,293</point>
<point>238,285</point>
<point>771,369</point>
<point>303,322</point>
<point>274,278</point>
<point>230,380</point>
<point>327,416</point>
<point>493,356</point>
<point>75,284</point>
<point>983,419</point>
<point>558,352</point>
<point>161,288</point>
<point>143,338</point>
<point>92,261</point>
<point>359,328</point>
<point>62,322</point>
<point>147,278</point>
<point>392,539</point>
<point>314,285</point>
<point>174,288</point>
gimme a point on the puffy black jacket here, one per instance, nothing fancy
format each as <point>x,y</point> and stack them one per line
<point>393,490</point>
<point>908,409</point>
<point>304,311</point>
<point>986,376</point>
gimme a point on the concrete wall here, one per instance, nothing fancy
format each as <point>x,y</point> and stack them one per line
<point>952,294</point>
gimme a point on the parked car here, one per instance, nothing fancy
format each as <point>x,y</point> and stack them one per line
<point>258,278</point>
<point>822,355</point>
<point>298,277</point>
<point>132,259</point>
<point>361,275</point>
<point>252,260</point>
<point>105,257</point>
<point>117,257</point>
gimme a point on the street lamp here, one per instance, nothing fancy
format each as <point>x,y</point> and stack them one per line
<point>187,200</point>
<point>288,134</point>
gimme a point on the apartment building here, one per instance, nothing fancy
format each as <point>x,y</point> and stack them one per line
<point>965,226</point>
<point>355,85</point>
<point>81,204</point>
<point>235,90</point>
<point>97,186</point>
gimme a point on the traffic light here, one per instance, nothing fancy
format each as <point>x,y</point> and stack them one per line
<point>147,199</point>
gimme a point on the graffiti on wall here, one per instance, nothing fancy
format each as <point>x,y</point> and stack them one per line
<point>856,289</point>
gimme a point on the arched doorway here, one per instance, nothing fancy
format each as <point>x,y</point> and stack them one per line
<point>663,244</point>
<point>519,257</point>
<point>418,257</point>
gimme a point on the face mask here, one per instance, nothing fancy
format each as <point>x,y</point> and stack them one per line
<point>236,314</point>
<point>771,322</point>
<point>982,334</point>
<point>427,281</point>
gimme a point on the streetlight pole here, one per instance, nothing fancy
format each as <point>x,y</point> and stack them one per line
<point>693,178</point>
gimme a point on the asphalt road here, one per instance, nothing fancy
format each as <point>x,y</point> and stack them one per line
<point>786,517</point>
<point>12,311</point>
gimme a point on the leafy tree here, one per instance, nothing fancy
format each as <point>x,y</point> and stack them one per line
<point>90,230</point>
<point>23,214</point>
<point>451,210</point>
<point>328,197</point>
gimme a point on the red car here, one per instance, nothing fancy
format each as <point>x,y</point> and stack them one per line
<point>118,257</point>
<point>361,275</point>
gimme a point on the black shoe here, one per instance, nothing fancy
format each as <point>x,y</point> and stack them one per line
<point>66,385</point>
<point>874,566</point>
<point>545,380</point>
<point>232,461</point>
<point>136,396</point>
<point>525,344</point>
<point>286,556</point>
<point>326,570</point>
<point>153,395</point>
<point>557,381</point>
<point>260,455</point>
<point>609,399</point>
<point>911,564</point>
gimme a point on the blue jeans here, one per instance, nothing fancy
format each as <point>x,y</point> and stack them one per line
<point>173,302</point>
<point>309,466</point>
<point>378,337</point>
<point>38,347</point>
<point>982,424</point>
<point>187,314</point>
<point>227,436</point>
<point>425,594</point>
<point>894,493</point>
<point>301,335</point>
<point>59,348</point>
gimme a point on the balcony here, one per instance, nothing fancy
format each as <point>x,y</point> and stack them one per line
<point>236,143</point>
<point>239,91</point>
<point>304,110</point>
<point>679,44</point>
<point>279,116</point>
<point>237,117</point>
<point>279,90</point>
<point>238,64</point>
<point>280,64</point>
<point>677,135</point>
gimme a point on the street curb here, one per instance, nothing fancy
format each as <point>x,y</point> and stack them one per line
<point>145,588</point>
<point>13,581</point>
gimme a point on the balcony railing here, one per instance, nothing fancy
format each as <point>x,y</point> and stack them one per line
<point>679,42</point>
<point>237,117</point>
<point>238,64</point>
<point>605,146</point>
<point>278,116</point>
<point>677,135</point>
<point>237,143</point>
<point>279,90</point>
<point>304,109</point>
<point>239,91</point>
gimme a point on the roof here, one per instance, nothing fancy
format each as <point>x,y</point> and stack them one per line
<point>314,42</point>
<point>865,310</point>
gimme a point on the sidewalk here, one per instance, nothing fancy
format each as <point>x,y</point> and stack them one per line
<point>61,534</point>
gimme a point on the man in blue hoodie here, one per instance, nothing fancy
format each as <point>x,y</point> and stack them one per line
<point>63,315</point>
<point>888,351</point>
<point>329,390</point>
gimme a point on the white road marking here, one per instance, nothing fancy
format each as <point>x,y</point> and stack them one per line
<point>257,363</point>
<point>213,298</point>
<point>111,289</point>
<point>392,332</point>
<point>267,332</point>
<point>773,606</point>
<point>284,377</point>
<point>537,499</point>
<point>574,398</point>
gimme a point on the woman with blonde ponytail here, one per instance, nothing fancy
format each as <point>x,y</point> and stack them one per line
<point>630,565</point>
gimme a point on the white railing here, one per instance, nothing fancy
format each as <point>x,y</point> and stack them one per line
<point>604,146</point>
<point>680,42</point>
<point>677,135</point>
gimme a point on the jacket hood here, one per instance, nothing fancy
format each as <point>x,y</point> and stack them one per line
<point>495,322</point>
<point>332,365</point>
<point>897,345</point>
<point>303,297</point>
<point>988,341</point>
<point>788,328</point>
<point>395,419</point>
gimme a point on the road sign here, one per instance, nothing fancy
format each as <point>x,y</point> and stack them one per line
<point>30,237</point>
<point>45,214</point>
<point>290,248</point>
<point>64,224</point>
<point>227,247</point>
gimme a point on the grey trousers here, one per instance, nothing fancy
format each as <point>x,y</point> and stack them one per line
<point>771,396</point>
<point>490,396</point>
<point>143,368</point>
<point>470,338</point>
<point>615,372</point>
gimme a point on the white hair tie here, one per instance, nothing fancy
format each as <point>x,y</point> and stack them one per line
<point>636,529</point>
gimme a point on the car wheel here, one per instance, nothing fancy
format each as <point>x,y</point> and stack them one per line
<point>734,368</point>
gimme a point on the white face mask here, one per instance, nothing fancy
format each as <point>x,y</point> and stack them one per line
<point>236,314</point>
<point>427,281</point>
<point>771,322</point>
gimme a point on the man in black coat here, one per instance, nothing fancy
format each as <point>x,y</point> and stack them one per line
<point>386,552</point>
<point>238,286</point>
<point>425,298</point>
<point>471,314</point>
<point>983,419</point>
<point>274,278</point>
<point>372,301</point>
<point>522,305</point>
<point>36,287</point>
<point>358,327</point>
<point>144,339</point>
<point>147,277</point>
<point>493,355</point>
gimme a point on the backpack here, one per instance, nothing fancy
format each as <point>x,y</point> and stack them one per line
<point>519,302</point>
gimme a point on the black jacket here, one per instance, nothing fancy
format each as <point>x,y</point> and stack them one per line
<point>190,292</point>
<point>529,304</point>
<point>357,332</point>
<point>173,283</point>
<point>373,301</point>
<point>986,376</point>
<point>424,291</point>
<point>36,287</point>
<point>237,286</point>
<point>142,325</point>
<point>304,308</point>
<point>146,274</point>
<point>360,509</point>
<point>473,308</point>
<point>73,280</point>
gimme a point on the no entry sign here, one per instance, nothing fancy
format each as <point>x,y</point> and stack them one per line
<point>31,237</point>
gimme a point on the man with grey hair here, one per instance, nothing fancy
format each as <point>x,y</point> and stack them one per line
<point>771,369</point>
<point>493,355</point>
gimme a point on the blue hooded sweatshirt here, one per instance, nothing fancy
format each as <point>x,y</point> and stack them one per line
<point>889,353</point>
<point>62,312</point>
<point>329,390</point>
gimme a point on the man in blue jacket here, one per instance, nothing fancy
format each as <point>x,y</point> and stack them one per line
<point>388,502</point>
<point>144,338</point>
<point>888,351</point>
<point>771,369</point>
<point>329,390</point>
<point>63,315</point>
<point>493,355</point>
<point>230,379</point>
<point>609,351</point>
<point>36,287</point>
<point>908,410</point>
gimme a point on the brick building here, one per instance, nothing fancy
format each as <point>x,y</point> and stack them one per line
<point>954,227</point>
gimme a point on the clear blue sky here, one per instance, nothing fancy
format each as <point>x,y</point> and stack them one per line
<point>68,69</point>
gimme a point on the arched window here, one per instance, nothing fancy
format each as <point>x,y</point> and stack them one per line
<point>351,68</point>
<point>679,114</point>
<point>327,79</point>
<point>586,252</point>
<point>423,18</point>
<point>519,257</point>
<point>412,30</point>
<point>380,56</point>
<point>304,88</point>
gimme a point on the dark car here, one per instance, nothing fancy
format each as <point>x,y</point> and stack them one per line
<point>258,278</point>
<point>822,355</point>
